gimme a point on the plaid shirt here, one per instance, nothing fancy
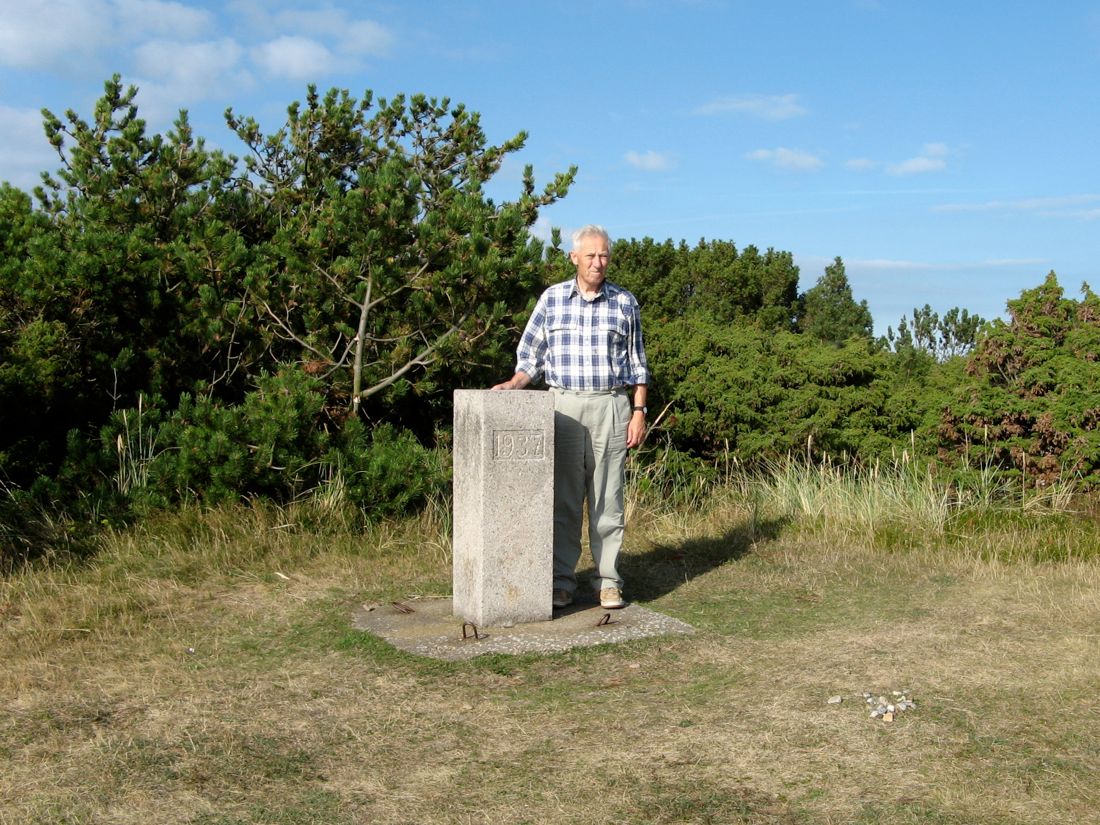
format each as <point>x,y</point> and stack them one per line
<point>584,345</point>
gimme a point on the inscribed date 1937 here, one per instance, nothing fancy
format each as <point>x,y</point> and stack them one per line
<point>518,445</point>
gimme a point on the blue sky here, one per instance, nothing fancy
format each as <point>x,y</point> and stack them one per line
<point>947,151</point>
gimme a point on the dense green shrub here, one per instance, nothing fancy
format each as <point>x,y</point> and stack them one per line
<point>280,443</point>
<point>265,445</point>
<point>758,393</point>
<point>712,280</point>
<point>1032,404</point>
<point>387,471</point>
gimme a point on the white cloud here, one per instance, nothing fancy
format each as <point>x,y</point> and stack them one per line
<point>62,33</point>
<point>175,75</point>
<point>46,33</point>
<point>650,161</point>
<point>299,44</point>
<point>294,58</point>
<point>352,37</point>
<point>346,38</point>
<point>861,164</point>
<point>1075,207</point>
<point>768,107</point>
<point>892,265</point>
<point>191,67</point>
<point>24,148</point>
<point>1048,204</point>
<point>312,42</point>
<point>785,158</point>
<point>365,37</point>
<point>917,165</point>
<point>255,16</point>
<point>140,17</point>
<point>998,262</point>
<point>933,158</point>
<point>318,21</point>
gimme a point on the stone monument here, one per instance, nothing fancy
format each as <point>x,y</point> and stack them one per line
<point>503,506</point>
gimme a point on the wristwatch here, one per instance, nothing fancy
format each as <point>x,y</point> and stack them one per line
<point>642,409</point>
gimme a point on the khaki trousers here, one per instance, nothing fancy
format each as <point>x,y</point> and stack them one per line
<point>589,466</point>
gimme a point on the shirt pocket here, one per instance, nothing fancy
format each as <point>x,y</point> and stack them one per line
<point>563,333</point>
<point>613,333</point>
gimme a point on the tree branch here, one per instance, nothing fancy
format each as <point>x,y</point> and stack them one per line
<point>289,335</point>
<point>420,360</point>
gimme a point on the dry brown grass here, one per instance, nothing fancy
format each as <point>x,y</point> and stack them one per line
<point>203,670</point>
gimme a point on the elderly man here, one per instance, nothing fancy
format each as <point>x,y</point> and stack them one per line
<point>585,337</point>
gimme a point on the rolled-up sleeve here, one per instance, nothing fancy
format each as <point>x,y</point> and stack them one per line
<point>639,366</point>
<point>531,352</point>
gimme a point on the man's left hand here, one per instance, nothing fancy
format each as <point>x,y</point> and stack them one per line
<point>635,430</point>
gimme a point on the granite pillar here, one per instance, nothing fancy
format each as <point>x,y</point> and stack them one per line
<point>503,506</point>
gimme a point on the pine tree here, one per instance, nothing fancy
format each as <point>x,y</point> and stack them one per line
<point>830,313</point>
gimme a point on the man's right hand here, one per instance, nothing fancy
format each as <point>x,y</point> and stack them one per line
<point>516,382</point>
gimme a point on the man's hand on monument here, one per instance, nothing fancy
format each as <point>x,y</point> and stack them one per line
<point>516,382</point>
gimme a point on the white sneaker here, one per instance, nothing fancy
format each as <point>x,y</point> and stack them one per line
<point>611,598</point>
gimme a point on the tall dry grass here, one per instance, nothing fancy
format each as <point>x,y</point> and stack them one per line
<point>882,505</point>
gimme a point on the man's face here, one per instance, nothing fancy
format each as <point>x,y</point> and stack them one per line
<point>591,258</point>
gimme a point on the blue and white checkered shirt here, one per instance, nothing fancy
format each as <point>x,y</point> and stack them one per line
<point>584,345</point>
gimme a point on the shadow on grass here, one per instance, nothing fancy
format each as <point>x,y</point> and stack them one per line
<point>665,567</point>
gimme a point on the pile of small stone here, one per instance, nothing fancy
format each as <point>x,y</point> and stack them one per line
<point>882,707</point>
<point>885,708</point>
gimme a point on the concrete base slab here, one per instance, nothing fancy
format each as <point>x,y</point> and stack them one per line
<point>427,627</point>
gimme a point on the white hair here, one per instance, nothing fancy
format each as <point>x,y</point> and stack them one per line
<point>587,231</point>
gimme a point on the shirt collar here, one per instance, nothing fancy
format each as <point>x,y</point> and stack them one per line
<point>575,290</point>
